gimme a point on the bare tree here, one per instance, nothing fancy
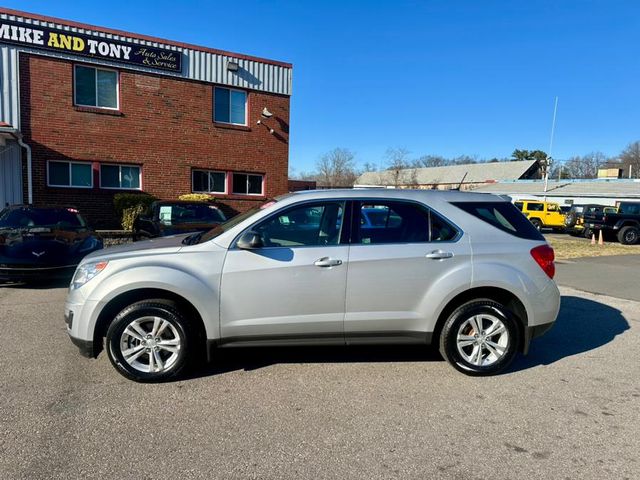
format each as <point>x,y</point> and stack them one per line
<point>336,168</point>
<point>397,160</point>
<point>369,167</point>
<point>585,166</point>
<point>428,161</point>
<point>630,159</point>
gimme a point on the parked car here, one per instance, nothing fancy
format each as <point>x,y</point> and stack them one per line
<point>43,243</point>
<point>574,219</point>
<point>542,214</point>
<point>624,224</point>
<point>165,218</point>
<point>463,271</point>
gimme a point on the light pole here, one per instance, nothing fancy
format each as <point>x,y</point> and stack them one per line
<point>547,162</point>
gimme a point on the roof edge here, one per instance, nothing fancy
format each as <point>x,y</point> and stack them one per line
<point>88,26</point>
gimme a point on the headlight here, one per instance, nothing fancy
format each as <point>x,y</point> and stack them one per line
<point>86,272</point>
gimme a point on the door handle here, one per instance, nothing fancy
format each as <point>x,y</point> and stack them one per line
<point>439,255</point>
<point>327,262</point>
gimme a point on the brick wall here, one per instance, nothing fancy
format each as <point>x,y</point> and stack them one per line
<point>164,124</point>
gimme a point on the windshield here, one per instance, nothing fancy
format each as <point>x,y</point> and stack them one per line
<point>223,227</point>
<point>190,213</point>
<point>41,217</point>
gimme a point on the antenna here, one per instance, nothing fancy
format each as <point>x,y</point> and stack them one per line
<point>461,181</point>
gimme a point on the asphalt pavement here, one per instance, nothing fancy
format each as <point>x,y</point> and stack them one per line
<point>616,276</point>
<point>567,410</point>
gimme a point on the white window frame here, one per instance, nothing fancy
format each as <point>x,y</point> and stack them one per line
<point>69,163</point>
<point>226,177</point>
<point>261,194</point>
<point>117,72</point>
<point>246,113</point>
<point>120,165</point>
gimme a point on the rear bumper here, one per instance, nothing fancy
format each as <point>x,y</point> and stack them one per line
<point>545,306</point>
<point>535,332</point>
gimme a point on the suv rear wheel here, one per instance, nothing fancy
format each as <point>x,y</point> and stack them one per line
<point>480,337</point>
<point>628,235</point>
<point>148,341</point>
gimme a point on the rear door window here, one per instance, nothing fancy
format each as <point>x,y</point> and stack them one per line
<point>383,222</point>
<point>535,207</point>
<point>504,216</point>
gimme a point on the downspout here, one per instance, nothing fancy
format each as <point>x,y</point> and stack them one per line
<point>29,182</point>
<point>19,136</point>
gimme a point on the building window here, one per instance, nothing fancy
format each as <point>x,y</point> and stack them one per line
<point>205,181</point>
<point>247,184</point>
<point>120,176</point>
<point>230,106</point>
<point>69,174</point>
<point>96,87</point>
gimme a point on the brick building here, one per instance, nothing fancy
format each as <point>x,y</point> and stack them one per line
<point>87,112</point>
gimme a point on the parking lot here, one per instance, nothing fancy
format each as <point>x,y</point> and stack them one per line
<point>567,410</point>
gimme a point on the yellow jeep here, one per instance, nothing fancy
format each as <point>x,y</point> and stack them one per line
<point>542,214</point>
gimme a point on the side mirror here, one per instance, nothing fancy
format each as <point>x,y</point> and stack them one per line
<point>250,241</point>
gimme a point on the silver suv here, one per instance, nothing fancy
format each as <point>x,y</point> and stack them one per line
<point>466,272</point>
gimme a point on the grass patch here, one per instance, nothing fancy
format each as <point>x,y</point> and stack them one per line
<point>573,248</point>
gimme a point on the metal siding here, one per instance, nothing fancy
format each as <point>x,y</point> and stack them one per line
<point>9,97</point>
<point>10,174</point>
<point>197,65</point>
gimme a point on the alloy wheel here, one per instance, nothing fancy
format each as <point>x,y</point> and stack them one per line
<point>482,340</point>
<point>150,344</point>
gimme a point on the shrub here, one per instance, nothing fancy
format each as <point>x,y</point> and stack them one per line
<point>197,197</point>
<point>129,215</point>
<point>128,205</point>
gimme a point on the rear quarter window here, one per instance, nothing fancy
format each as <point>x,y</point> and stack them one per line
<point>503,216</point>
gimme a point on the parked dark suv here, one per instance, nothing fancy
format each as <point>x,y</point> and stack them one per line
<point>574,219</point>
<point>166,218</point>
<point>625,223</point>
<point>43,243</point>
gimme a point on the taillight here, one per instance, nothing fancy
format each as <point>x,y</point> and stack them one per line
<point>544,256</point>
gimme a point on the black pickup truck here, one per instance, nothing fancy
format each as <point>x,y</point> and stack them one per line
<point>625,224</point>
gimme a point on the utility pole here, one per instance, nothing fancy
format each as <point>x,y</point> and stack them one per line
<point>548,161</point>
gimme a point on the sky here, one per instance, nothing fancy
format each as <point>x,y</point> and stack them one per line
<point>445,77</point>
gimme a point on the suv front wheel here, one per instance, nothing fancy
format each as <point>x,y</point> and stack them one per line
<point>148,341</point>
<point>480,338</point>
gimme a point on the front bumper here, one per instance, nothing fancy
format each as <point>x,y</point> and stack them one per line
<point>79,317</point>
<point>84,346</point>
<point>26,274</point>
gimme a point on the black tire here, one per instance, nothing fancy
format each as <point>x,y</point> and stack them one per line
<point>570,219</point>
<point>178,328</point>
<point>457,321</point>
<point>587,232</point>
<point>536,222</point>
<point>629,235</point>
